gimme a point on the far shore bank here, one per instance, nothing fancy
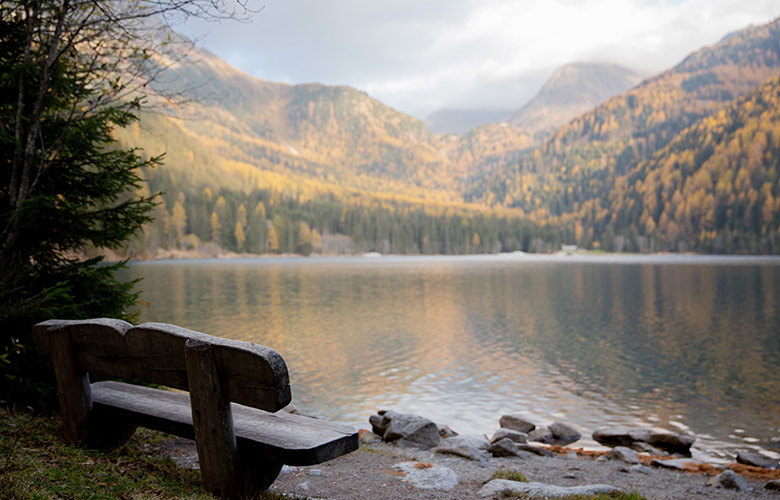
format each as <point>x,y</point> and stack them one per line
<point>570,256</point>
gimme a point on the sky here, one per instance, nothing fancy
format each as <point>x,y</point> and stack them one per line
<point>419,56</point>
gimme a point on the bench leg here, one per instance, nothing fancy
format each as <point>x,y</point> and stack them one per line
<point>258,475</point>
<point>212,421</point>
<point>108,429</point>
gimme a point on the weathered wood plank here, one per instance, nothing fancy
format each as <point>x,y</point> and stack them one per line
<point>254,375</point>
<point>212,421</point>
<point>73,387</point>
<point>291,439</point>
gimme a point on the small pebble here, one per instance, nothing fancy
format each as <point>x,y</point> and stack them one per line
<point>288,469</point>
<point>641,469</point>
<point>315,472</point>
<point>304,486</point>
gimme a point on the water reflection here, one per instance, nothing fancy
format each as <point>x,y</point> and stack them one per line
<point>687,343</point>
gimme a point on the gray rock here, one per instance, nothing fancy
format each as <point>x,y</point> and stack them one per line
<point>288,469</point>
<point>756,459</point>
<point>564,434</point>
<point>620,435</point>
<point>730,480</point>
<point>516,423</point>
<point>672,442</point>
<point>464,447</point>
<point>627,436</point>
<point>643,447</point>
<point>368,437</point>
<point>504,448</point>
<point>675,463</point>
<point>773,485</point>
<point>572,455</point>
<point>378,424</point>
<point>516,436</point>
<point>477,441</point>
<point>304,486</point>
<point>571,475</point>
<point>426,476</point>
<point>410,430</point>
<point>501,486</point>
<point>541,435</point>
<point>623,454</point>
<point>641,469</point>
<point>315,472</point>
<point>602,459</point>
<point>536,450</point>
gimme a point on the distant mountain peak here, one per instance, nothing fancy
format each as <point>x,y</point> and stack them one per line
<point>571,90</point>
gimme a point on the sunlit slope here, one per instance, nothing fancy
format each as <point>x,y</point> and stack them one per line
<point>581,161</point>
<point>716,184</point>
<point>333,135</point>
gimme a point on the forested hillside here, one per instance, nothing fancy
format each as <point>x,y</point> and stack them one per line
<point>259,167</point>
<point>714,188</point>
<point>581,161</point>
<point>684,161</point>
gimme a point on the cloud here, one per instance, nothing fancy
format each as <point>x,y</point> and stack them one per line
<point>421,56</point>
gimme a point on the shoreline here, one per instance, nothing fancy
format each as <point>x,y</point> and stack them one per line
<point>585,256</point>
<point>373,472</point>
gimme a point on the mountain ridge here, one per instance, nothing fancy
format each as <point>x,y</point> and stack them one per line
<point>573,89</point>
<point>333,161</point>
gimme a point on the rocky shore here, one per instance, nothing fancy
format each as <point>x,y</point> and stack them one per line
<point>407,456</point>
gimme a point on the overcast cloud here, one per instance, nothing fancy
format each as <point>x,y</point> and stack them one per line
<point>422,55</point>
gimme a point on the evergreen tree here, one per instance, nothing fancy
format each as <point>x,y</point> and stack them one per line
<point>70,72</point>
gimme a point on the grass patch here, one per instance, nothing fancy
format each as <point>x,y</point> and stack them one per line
<point>509,474</point>
<point>36,463</point>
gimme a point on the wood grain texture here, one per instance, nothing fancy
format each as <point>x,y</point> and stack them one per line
<point>254,375</point>
<point>73,387</point>
<point>291,439</point>
<point>212,421</point>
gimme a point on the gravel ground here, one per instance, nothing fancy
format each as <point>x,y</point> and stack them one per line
<point>368,474</point>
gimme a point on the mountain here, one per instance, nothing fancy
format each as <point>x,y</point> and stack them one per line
<point>257,166</point>
<point>581,160</point>
<point>577,178</point>
<point>572,90</point>
<point>460,121</point>
<point>268,167</point>
<point>336,135</point>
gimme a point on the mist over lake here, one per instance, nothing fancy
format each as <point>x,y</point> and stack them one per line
<point>682,343</point>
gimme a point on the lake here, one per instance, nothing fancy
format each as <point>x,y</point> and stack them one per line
<point>683,343</point>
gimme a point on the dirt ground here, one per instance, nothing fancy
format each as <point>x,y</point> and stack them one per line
<point>368,474</point>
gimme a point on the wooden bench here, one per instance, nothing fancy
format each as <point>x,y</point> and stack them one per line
<point>235,391</point>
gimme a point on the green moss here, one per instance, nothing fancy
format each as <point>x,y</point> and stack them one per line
<point>510,474</point>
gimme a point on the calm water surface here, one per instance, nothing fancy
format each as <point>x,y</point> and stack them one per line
<point>681,343</point>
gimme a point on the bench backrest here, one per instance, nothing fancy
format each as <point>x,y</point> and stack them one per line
<point>250,374</point>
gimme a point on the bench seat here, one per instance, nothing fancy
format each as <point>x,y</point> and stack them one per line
<point>283,437</point>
